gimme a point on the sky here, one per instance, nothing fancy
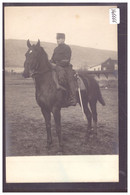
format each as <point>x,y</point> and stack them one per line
<point>86,26</point>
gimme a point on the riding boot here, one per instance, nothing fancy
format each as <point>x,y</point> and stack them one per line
<point>72,86</point>
<point>73,100</point>
<point>56,81</point>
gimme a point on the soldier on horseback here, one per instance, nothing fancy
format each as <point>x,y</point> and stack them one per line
<point>63,69</point>
<point>51,100</point>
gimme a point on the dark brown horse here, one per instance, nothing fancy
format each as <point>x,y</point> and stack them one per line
<point>50,99</point>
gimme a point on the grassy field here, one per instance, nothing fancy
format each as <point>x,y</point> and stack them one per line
<point>25,127</point>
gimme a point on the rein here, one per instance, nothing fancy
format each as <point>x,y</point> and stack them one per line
<point>36,73</point>
<point>33,75</point>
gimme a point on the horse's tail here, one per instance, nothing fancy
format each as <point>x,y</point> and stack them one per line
<point>99,97</point>
<point>92,88</point>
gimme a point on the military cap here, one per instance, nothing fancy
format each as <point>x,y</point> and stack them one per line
<point>60,36</point>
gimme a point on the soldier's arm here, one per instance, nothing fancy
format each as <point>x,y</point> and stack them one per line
<point>52,58</point>
<point>67,55</point>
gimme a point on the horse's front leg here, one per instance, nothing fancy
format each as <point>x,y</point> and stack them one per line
<point>47,116</point>
<point>57,118</point>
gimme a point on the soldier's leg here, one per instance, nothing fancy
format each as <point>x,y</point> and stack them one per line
<point>55,77</point>
<point>72,85</point>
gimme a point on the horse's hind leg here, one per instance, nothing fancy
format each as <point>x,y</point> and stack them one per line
<point>47,116</point>
<point>89,118</point>
<point>57,118</point>
<point>88,115</point>
<point>94,114</point>
<point>86,108</point>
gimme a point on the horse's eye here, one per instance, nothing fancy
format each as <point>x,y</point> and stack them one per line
<point>30,51</point>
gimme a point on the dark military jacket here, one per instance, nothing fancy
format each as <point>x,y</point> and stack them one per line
<point>61,55</point>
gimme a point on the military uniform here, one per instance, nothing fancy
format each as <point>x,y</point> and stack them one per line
<point>61,57</point>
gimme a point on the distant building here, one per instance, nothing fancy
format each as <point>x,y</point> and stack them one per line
<point>109,64</point>
<point>95,67</point>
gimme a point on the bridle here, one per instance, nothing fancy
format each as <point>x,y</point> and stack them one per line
<point>33,73</point>
<point>36,72</point>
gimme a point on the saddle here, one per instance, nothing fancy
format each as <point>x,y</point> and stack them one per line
<point>61,84</point>
<point>80,82</point>
<point>67,80</point>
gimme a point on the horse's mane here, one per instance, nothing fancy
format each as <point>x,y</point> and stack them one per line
<point>45,56</point>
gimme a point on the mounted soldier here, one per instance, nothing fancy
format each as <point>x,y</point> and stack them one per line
<point>51,100</point>
<point>63,69</point>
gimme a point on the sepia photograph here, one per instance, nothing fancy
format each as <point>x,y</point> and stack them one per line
<point>61,93</point>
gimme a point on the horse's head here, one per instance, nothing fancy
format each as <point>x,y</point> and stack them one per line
<point>32,61</point>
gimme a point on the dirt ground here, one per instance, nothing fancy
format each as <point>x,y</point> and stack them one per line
<point>25,132</point>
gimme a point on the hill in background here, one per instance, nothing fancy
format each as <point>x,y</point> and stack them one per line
<point>82,57</point>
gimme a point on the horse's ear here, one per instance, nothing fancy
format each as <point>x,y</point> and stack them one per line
<point>28,43</point>
<point>38,43</point>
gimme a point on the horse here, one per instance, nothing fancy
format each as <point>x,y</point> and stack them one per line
<point>50,99</point>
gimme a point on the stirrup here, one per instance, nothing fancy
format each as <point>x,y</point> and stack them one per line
<point>73,102</point>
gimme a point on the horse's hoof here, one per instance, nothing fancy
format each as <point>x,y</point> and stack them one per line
<point>60,151</point>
